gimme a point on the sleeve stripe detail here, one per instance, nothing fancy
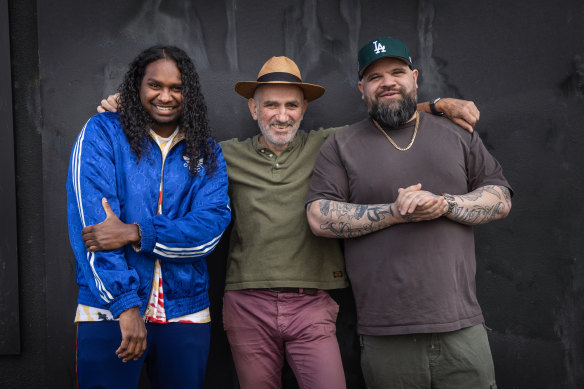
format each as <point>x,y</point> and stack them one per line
<point>167,255</point>
<point>77,172</point>
<point>103,292</point>
<point>203,250</point>
<point>76,167</point>
<point>194,249</point>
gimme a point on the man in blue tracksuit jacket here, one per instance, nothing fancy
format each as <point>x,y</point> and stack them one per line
<point>147,202</point>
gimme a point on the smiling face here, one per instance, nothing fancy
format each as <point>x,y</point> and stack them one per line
<point>279,110</point>
<point>161,95</point>
<point>390,86</point>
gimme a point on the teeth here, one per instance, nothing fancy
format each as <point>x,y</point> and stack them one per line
<point>164,108</point>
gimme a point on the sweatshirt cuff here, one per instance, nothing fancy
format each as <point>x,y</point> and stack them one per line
<point>124,302</point>
<point>148,236</point>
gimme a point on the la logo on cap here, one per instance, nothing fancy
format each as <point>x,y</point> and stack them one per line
<point>383,47</point>
<point>378,47</point>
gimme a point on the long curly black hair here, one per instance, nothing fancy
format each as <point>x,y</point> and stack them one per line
<point>136,121</point>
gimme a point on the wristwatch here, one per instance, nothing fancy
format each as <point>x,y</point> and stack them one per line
<point>451,203</point>
<point>433,108</point>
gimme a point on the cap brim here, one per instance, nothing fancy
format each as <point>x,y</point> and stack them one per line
<point>410,65</point>
<point>247,88</point>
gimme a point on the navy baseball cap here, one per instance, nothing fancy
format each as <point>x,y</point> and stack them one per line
<point>383,47</point>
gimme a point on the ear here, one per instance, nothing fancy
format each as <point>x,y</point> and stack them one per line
<point>360,85</point>
<point>252,105</point>
<point>304,107</point>
<point>415,73</point>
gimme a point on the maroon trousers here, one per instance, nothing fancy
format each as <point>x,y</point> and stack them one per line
<point>264,327</point>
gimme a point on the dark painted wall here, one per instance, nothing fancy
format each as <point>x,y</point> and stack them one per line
<point>28,368</point>
<point>522,63</point>
<point>9,320</point>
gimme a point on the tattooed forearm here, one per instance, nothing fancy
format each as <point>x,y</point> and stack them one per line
<point>506,196</point>
<point>360,211</point>
<point>345,220</point>
<point>478,193</point>
<point>477,214</point>
<point>324,207</point>
<point>483,205</point>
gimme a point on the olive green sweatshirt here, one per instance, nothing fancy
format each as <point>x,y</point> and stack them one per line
<point>271,243</point>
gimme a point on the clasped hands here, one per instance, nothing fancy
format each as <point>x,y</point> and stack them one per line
<point>414,204</point>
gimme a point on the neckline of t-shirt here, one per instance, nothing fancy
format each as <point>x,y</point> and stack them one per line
<point>406,126</point>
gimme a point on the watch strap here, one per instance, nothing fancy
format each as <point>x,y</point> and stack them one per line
<point>433,108</point>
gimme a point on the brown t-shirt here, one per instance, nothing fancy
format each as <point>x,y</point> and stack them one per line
<point>414,277</point>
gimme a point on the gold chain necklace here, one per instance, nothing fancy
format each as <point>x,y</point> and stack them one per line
<point>391,140</point>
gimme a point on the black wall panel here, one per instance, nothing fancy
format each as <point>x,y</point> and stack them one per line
<point>28,369</point>
<point>9,318</point>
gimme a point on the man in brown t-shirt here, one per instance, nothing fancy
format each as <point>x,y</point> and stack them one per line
<point>409,252</point>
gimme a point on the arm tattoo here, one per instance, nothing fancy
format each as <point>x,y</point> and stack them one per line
<point>506,195</point>
<point>324,207</point>
<point>347,220</point>
<point>491,202</point>
<point>360,211</point>
<point>476,194</point>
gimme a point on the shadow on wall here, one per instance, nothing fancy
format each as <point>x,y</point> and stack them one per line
<point>574,84</point>
<point>306,42</point>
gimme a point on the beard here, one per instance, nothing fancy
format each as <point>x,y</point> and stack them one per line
<point>393,113</point>
<point>272,138</point>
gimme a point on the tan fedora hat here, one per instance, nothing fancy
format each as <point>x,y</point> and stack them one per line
<point>279,70</point>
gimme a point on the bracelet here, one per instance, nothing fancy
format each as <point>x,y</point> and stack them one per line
<point>451,203</point>
<point>433,108</point>
<point>138,245</point>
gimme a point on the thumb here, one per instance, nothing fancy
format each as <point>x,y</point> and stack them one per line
<point>108,209</point>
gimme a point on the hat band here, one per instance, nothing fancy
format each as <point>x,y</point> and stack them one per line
<point>279,76</point>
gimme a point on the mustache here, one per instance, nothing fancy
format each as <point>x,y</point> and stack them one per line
<point>279,123</point>
<point>384,89</point>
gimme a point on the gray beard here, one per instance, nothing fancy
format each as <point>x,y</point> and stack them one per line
<point>389,117</point>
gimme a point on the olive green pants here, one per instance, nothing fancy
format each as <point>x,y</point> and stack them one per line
<point>450,360</point>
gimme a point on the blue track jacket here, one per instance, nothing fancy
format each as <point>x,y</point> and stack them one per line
<point>195,214</point>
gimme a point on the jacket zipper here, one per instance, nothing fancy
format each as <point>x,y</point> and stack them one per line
<point>163,156</point>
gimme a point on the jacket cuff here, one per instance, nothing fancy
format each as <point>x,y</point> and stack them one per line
<point>148,236</point>
<point>124,302</point>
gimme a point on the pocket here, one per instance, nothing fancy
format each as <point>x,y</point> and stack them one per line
<point>332,307</point>
<point>225,313</point>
